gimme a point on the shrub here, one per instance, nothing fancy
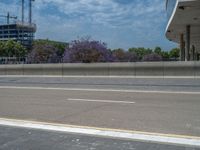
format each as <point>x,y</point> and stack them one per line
<point>152,57</point>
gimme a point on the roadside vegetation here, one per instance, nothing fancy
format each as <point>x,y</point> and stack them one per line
<point>83,50</point>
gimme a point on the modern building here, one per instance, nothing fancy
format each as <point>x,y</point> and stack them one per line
<point>20,31</point>
<point>184,27</point>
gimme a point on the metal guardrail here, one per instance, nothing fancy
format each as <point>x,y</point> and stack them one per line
<point>13,60</point>
<point>106,69</point>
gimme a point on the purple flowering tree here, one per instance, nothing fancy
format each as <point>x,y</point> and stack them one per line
<point>131,57</point>
<point>43,53</point>
<point>120,55</point>
<point>152,57</point>
<point>87,51</point>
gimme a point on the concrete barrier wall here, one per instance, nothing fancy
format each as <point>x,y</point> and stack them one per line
<point>2,69</point>
<point>179,69</point>
<point>106,69</point>
<point>149,69</point>
<point>197,68</point>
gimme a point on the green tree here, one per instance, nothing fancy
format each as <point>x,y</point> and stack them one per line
<point>174,53</point>
<point>165,55</point>
<point>2,48</point>
<point>140,52</point>
<point>20,51</point>
<point>12,48</point>
<point>60,46</point>
<point>158,50</point>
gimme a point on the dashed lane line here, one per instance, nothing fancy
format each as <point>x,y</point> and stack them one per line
<point>100,101</point>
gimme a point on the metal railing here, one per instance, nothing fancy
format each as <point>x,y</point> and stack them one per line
<point>13,60</point>
<point>25,60</point>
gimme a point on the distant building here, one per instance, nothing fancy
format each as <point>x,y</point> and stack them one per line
<point>184,27</point>
<point>21,32</point>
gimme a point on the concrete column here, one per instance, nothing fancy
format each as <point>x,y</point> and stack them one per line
<point>194,53</point>
<point>8,18</point>
<point>182,48</point>
<point>187,50</point>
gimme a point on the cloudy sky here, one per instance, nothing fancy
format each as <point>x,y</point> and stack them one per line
<point>119,23</point>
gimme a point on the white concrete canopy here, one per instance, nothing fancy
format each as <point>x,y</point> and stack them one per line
<point>186,12</point>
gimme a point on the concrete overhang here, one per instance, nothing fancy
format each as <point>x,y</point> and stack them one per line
<point>186,12</point>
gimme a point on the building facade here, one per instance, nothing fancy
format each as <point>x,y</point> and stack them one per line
<point>184,27</point>
<point>20,32</point>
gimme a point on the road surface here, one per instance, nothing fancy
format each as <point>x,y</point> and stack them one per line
<point>168,84</point>
<point>164,106</point>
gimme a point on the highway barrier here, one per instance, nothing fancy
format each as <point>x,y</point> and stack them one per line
<point>190,68</point>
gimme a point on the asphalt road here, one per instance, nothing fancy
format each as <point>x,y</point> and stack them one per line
<point>168,106</point>
<point>27,139</point>
<point>173,84</point>
<point>171,113</point>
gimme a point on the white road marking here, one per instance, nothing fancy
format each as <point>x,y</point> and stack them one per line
<point>87,76</point>
<point>101,101</point>
<point>114,133</point>
<point>99,90</point>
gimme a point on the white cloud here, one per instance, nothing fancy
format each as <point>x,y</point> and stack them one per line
<point>107,12</point>
<point>139,22</point>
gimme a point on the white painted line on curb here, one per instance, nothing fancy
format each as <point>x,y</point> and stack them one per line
<point>124,134</point>
<point>98,90</point>
<point>87,76</point>
<point>100,101</point>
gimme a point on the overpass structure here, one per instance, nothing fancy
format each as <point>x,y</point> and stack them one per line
<point>184,27</point>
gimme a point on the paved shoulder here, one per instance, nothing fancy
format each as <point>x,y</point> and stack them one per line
<point>23,139</point>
